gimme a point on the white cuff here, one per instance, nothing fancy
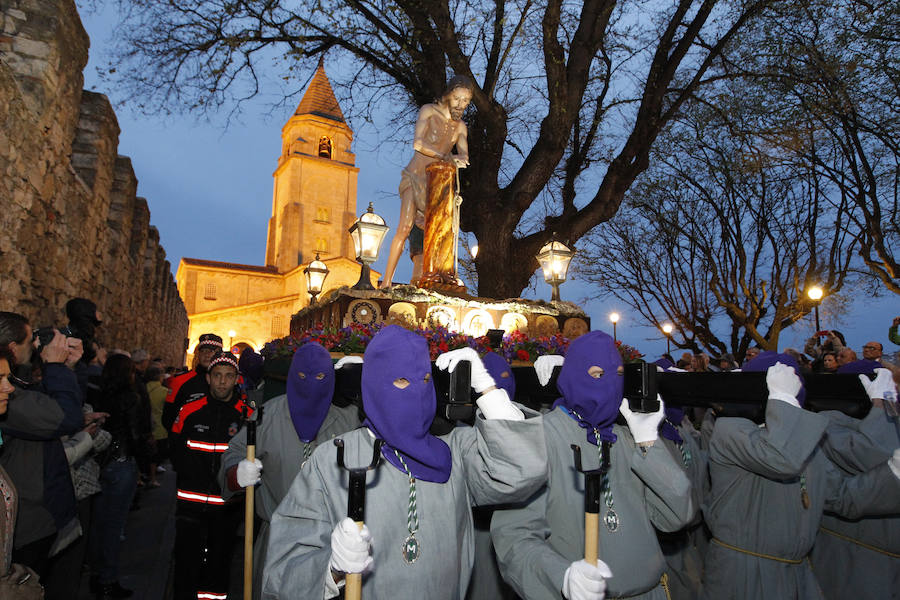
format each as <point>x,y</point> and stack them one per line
<point>495,404</point>
<point>786,398</point>
<point>894,463</point>
<point>332,589</point>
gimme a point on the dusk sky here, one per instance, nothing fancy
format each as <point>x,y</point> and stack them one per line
<point>209,189</point>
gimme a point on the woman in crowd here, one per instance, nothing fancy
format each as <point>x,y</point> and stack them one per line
<point>118,475</point>
<point>16,581</point>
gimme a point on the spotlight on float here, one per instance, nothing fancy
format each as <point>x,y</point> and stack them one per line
<point>554,258</point>
<point>367,234</point>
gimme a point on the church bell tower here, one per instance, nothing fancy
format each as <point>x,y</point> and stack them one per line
<point>314,195</point>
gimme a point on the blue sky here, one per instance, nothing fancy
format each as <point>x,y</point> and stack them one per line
<point>209,188</point>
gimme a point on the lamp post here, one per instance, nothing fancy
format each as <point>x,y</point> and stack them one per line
<point>315,272</point>
<point>667,329</point>
<point>815,294</point>
<point>231,334</point>
<point>367,234</point>
<point>614,317</point>
<point>554,258</point>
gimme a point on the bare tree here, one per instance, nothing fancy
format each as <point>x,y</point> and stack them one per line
<point>836,67</point>
<point>724,234</point>
<point>570,97</point>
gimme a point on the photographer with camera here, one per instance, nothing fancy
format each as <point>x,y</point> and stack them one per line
<point>38,416</point>
<point>822,342</point>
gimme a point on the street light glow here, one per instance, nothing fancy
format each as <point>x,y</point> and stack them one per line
<point>667,328</point>
<point>614,317</point>
<point>815,293</point>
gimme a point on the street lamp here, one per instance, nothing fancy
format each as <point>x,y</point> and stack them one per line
<point>554,258</point>
<point>815,294</point>
<point>614,317</point>
<point>367,234</point>
<point>667,329</point>
<point>315,272</point>
<point>231,334</point>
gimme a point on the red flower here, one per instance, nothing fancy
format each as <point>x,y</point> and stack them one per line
<point>443,347</point>
<point>522,355</point>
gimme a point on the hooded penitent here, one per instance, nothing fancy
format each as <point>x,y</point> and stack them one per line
<point>864,365</point>
<point>768,359</point>
<point>596,400</point>
<point>401,417</point>
<point>310,387</point>
<point>502,373</point>
<point>251,366</point>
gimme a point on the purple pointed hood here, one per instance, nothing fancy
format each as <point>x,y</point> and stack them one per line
<point>310,387</point>
<point>502,373</point>
<point>767,359</point>
<point>401,417</point>
<point>596,400</point>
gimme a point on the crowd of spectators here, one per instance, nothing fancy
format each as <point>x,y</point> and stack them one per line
<point>825,352</point>
<point>80,433</point>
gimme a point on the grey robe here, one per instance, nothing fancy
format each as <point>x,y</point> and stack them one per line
<point>845,569</point>
<point>537,541</point>
<point>496,461</point>
<point>280,451</point>
<point>684,550</point>
<point>755,502</point>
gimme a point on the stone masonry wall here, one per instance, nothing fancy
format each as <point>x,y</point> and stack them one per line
<point>70,221</point>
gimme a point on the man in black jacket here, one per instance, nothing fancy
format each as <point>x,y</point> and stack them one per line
<point>205,523</point>
<point>192,385</point>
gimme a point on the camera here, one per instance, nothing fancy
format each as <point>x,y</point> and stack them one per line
<point>44,335</point>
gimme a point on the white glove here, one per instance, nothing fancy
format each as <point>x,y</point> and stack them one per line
<point>481,379</point>
<point>347,360</point>
<point>894,463</point>
<point>644,426</point>
<point>351,548</point>
<point>676,370</point>
<point>495,404</point>
<point>877,388</point>
<point>584,581</point>
<point>248,472</point>
<point>544,365</point>
<point>783,383</point>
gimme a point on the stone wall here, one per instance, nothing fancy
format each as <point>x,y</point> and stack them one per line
<point>71,223</point>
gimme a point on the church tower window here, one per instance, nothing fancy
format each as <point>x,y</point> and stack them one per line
<point>322,215</point>
<point>325,147</point>
<point>321,245</point>
<point>210,292</point>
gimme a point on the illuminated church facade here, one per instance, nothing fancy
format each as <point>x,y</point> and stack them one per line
<point>313,206</point>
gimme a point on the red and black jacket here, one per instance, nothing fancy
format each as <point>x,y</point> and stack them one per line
<point>204,428</point>
<point>183,388</point>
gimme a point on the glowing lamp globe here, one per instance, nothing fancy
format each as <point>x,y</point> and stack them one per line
<point>367,234</point>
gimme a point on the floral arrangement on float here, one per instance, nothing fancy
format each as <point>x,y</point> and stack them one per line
<point>629,354</point>
<point>517,346</point>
